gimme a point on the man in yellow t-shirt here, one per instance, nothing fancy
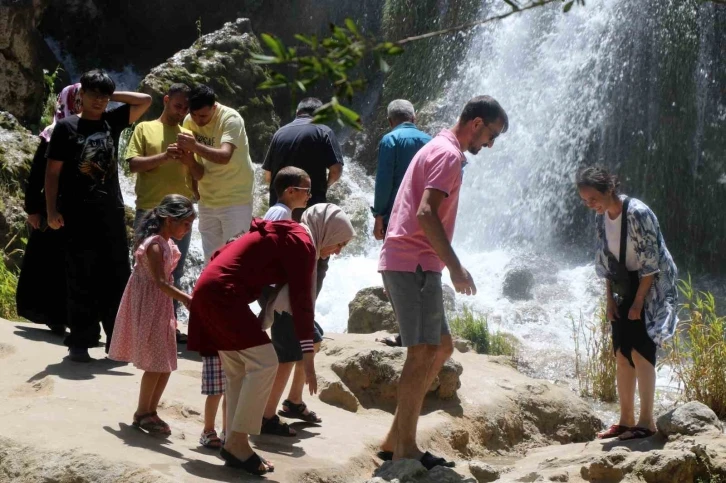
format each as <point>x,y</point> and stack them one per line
<point>219,142</point>
<point>162,168</point>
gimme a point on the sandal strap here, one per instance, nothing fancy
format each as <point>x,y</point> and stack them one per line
<point>295,407</point>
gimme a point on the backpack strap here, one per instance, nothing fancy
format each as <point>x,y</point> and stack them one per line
<point>624,231</point>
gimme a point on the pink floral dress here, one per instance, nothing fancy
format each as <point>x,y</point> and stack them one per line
<point>145,330</point>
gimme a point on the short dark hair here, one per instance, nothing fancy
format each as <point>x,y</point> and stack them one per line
<point>287,177</point>
<point>98,80</point>
<point>201,96</point>
<point>309,105</point>
<point>487,108</point>
<point>178,88</point>
<point>599,178</point>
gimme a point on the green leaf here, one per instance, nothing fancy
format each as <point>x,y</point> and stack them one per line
<point>304,40</point>
<point>274,44</point>
<point>383,65</point>
<point>300,85</point>
<point>352,27</point>
<point>395,50</point>
<point>348,114</point>
<point>511,3</point>
<point>265,59</point>
<point>568,6</point>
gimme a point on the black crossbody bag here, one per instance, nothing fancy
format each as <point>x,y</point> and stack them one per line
<point>622,282</point>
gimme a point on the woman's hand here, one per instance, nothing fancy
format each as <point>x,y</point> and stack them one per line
<point>635,310</point>
<point>187,301</point>
<point>612,309</point>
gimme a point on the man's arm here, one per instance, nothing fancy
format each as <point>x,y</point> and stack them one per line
<point>221,155</point>
<point>52,177</point>
<point>428,218</point>
<point>138,103</point>
<point>195,169</point>
<point>334,173</point>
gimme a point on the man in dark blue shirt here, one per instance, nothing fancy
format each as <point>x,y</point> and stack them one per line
<point>395,152</point>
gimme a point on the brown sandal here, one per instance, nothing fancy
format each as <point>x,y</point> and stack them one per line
<point>150,424</point>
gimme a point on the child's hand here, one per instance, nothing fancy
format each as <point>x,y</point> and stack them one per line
<point>187,301</point>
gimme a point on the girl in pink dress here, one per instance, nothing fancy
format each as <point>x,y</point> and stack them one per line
<point>145,330</point>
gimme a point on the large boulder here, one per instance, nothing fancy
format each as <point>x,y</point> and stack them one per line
<point>689,419</point>
<point>373,374</point>
<point>222,60</point>
<point>23,55</point>
<point>371,311</point>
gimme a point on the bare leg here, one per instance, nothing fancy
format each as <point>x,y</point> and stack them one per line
<point>626,389</point>
<point>646,390</point>
<point>411,391</point>
<point>146,392</point>
<point>443,352</point>
<point>211,405</point>
<point>278,387</point>
<point>298,383</point>
<point>159,389</point>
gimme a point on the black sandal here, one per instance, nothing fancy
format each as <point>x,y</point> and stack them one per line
<point>250,465</point>
<point>430,461</point>
<point>385,455</point>
<point>297,411</point>
<point>274,426</point>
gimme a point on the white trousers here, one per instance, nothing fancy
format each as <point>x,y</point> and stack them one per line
<point>250,374</point>
<point>217,225</point>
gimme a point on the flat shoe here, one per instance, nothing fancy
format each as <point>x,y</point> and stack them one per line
<point>637,433</point>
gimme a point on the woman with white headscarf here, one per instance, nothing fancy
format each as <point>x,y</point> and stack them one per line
<point>43,270</point>
<point>221,321</point>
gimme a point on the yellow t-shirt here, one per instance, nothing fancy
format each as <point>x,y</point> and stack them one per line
<point>151,138</point>
<point>230,184</point>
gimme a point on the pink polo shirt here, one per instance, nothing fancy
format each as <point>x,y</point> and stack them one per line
<point>437,165</point>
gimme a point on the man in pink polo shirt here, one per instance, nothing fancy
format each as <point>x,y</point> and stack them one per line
<point>416,249</point>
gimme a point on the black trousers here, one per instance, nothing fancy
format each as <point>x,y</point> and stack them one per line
<point>97,270</point>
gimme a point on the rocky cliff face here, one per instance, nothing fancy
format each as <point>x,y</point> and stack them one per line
<point>23,55</point>
<point>221,60</point>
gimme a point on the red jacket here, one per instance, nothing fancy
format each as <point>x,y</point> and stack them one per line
<point>270,253</point>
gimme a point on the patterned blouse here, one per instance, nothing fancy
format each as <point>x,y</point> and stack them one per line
<point>653,258</point>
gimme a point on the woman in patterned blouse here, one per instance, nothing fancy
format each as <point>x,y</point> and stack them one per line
<point>641,293</point>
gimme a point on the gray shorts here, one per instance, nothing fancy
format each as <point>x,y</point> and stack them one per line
<point>418,302</point>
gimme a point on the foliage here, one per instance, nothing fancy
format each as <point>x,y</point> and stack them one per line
<point>697,352</point>
<point>473,326</point>
<point>335,58</point>
<point>50,101</point>
<point>595,369</point>
<point>9,279</point>
<point>198,23</point>
<point>123,144</point>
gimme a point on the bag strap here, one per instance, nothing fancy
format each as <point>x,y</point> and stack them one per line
<point>624,230</point>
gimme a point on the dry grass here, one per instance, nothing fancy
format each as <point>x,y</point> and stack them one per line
<point>594,360</point>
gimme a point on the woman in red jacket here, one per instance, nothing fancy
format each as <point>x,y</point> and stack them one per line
<point>271,253</point>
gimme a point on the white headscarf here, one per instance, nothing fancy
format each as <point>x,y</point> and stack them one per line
<point>327,225</point>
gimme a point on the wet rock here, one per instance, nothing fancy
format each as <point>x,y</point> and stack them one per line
<point>412,471</point>
<point>449,298</point>
<point>222,60</point>
<point>689,419</point>
<point>347,193</point>
<point>373,374</point>
<point>371,311</point>
<point>518,284</point>
<point>483,472</point>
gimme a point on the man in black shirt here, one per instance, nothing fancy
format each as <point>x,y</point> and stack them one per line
<point>312,148</point>
<point>83,195</point>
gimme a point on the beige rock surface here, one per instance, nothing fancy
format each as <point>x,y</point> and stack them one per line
<point>75,419</point>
